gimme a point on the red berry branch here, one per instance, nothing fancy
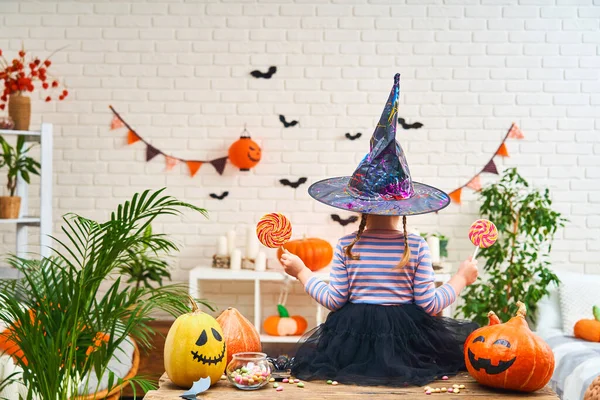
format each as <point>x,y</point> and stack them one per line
<point>19,76</point>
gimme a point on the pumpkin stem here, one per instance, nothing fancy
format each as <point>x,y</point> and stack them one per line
<point>494,320</point>
<point>194,305</point>
<point>522,311</point>
<point>283,312</point>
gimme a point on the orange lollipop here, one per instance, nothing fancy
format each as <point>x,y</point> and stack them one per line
<point>273,230</point>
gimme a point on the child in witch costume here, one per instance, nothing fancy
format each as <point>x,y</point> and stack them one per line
<point>383,329</point>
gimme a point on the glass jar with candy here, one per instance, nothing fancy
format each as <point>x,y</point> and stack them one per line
<point>249,370</point>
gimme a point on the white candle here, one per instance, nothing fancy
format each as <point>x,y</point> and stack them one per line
<point>222,246</point>
<point>236,260</point>
<point>434,248</point>
<point>260,263</point>
<point>230,242</point>
<point>252,244</point>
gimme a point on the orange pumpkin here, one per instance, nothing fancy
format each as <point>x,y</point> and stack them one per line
<point>316,253</point>
<point>283,324</point>
<point>10,347</point>
<point>509,355</point>
<point>244,153</point>
<point>240,335</point>
<point>587,329</point>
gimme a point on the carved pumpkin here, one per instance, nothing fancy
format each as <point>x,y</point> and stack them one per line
<point>283,324</point>
<point>195,349</point>
<point>316,253</point>
<point>239,333</point>
<point>244,153</point>
<point>509,355</point>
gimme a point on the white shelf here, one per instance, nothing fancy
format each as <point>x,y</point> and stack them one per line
<point>279,339</point>
<point>30,221</point>
<point>15,132</point>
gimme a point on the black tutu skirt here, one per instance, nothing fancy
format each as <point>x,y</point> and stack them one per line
<point>369,344</point>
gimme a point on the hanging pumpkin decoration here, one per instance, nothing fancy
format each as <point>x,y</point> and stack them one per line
<point>283,324</point>
<point>509,355</point>
<point>195,349</point>
<point>239,333</point>
<point>244,153</point>
<point>315,253</point>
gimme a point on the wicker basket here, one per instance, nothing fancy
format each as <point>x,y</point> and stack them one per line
<point>220,261</point>
<point>593,391</point>
<point>19,109</point>
<point>10,207</point>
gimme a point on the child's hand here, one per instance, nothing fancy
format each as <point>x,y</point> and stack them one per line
<point>292,264</point>
<point>468,270</point>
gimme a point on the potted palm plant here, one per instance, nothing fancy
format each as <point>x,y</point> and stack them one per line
<point>17,162</point>
<point>65,327</point>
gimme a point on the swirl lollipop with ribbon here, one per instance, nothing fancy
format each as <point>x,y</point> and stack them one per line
<point>274,230</point>
<point>483,234</point>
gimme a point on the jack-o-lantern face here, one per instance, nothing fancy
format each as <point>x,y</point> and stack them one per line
<point>480,363</point>
<point>244,153</point>
<point>509,355</point>
<point>195,349</point>
<point>202,340</point>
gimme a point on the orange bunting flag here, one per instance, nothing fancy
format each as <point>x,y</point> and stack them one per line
<point>116,123</point>
<point>515,132</point>
<point>502,151</point>
<point>171,162</point>
<point>475,183</point>
<point>455,195</point>
<point>193,166</point>
<point>132,137</point>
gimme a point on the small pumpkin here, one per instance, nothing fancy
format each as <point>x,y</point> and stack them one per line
<point>283,324</point>
<point>239,333</point>
<point>315,253</point>
<point>589,329</point>
<point>244,153</point>
<point>509,355</point>
<point>194,349</point>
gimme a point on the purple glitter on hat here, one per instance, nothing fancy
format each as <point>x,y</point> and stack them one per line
<point>383,174</point>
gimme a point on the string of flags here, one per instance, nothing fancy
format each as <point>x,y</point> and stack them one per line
<point>475,183</point>
<point>151,151</point>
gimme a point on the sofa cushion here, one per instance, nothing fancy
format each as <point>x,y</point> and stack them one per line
<point>578,294</point>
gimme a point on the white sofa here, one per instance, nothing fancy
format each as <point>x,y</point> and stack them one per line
<point>577,361</point>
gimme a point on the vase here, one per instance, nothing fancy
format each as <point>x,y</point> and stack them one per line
<point>19,109</point>
<point>10,207</point>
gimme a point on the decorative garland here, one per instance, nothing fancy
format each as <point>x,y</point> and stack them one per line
<point>151,151</point>
<point>475,183</point>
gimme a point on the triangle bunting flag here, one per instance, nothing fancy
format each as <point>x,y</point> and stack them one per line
<point>491,167</point>
<point>170,162</point>
<point>219,164</point>
<point>515,132</point>
<point>151,152</point>
<point>475,183</point>
<point>116,123</point>
<point>193,166</point>
<point>132,137</point>
<point>502,151</point>
<point>455,195</point>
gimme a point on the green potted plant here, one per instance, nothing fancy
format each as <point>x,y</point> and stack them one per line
<point>145,267</point>
<point>517,266</point>
<point>66,327</point>
<point>17,162</point>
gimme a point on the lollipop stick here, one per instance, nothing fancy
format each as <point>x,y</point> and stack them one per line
<point>475,252</point>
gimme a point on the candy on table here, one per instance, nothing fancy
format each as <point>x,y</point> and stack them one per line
<point>296,380</point>
<point>334,383</point>
<point>274,230</point>
<point>279,389</point>
<point>272,380</point>
<point>444,390</point>
<point>329,382</point>
<point>428,392</point>
<point>456,391</point>
<point>300,385</point>
<point>455,386</point>
<point>285,380</point>
<point>276,385</point>
<point>444,378</point>
<point>426,388</point>
<point>223,377</point>
<point>438,390</point>
<point>461,386</point>
<point>483,234</point>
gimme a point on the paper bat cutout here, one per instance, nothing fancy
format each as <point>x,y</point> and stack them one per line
<point>353,137</point>
<point>267,75</point>
<point>198,387</point>
<point>219,196</point>
<point>416,125</point>
<point>344,222</point>
<point>287,124</point>
<point>299,182</point>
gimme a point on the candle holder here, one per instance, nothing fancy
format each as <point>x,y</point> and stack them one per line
<point>248,263</point>
<point>221,261</point>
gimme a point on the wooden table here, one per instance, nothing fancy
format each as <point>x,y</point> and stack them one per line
<point>320,390</point>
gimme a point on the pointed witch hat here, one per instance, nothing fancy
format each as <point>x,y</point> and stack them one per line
<point>381,184</point>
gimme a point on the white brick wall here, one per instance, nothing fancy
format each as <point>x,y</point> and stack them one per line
<point>178,71</point>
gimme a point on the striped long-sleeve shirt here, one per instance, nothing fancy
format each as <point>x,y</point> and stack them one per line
<point>373,280</point>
